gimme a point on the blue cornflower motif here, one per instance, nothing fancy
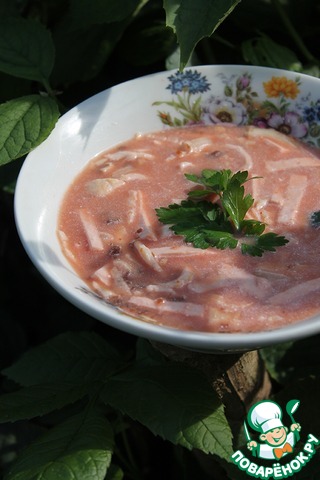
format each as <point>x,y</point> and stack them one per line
<point>311,114</point>
<point>190,81</point>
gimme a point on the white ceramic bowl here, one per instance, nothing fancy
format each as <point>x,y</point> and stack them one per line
<point>115,115</point>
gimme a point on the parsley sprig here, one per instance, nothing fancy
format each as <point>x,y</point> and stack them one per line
<point>214,215</point>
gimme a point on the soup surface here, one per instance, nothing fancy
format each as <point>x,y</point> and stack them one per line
<point>110,233</point>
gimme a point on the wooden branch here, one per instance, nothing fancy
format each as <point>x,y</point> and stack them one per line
<point>240,380</point>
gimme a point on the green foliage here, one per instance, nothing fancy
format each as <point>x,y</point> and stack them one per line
<point>100,405</point>
<point>83,370</point>
<point>208,15</point>
<point>74,46</point>
<point>90,389</point>
<point>29,54</point>
<point>79,447</point>
<point>84,358</point>
<point>25,123</point>
<point>191,417</point>
<point>264,51</point>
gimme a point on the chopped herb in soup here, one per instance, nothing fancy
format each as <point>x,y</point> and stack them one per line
<point>111,232</point>
<point>219,219</point>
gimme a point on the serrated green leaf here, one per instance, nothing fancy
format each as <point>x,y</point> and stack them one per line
<point>174,402</point>
<point>69,357</point>
<point>38,400</point>
<point>26,49</point>
<point>257,245</point>
<point>270,240</point>
<point>77,449</point>
<point>192,21</point>
<point>25,122</point>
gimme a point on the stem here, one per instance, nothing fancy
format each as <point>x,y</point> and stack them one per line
<point>52,94</point>
<point>48,88</point>
<point>293,32</point>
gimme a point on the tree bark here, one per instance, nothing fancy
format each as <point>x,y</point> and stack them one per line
<point>239,380</point>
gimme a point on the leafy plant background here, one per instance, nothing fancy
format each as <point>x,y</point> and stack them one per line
<point>79,399</point>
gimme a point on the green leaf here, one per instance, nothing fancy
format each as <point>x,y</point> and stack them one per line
<point>192,235</point>
<point>69,357</point>
<point>26,49</point>
<point>219,239</point>
<point>217,180</point>
<point>25,122</point>
<point>174,402</point>
<point>186,213</point>
<point>192,21</point>
<point>77,449</point>
<point>252,227</point>
<point>38,400</point>
<point>235,203</point>
<point>264,51</point>
<point>256,245</point>
<point>270,240</point>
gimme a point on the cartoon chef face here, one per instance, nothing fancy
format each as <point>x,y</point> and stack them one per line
<point>276,436</point>
<point>266,417</point>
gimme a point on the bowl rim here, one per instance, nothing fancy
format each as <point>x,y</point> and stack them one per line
<point>195,340</point>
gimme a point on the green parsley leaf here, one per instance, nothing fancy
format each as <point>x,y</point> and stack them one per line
<point>220,223</point>
<point>266,242</point>
<point>252,227</point>
<point>188,212</point>
<point>236,204</point>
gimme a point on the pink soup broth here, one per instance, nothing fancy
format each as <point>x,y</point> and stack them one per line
<point>109,231</point>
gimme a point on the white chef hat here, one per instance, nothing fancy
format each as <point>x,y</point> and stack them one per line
<point>265,416</point>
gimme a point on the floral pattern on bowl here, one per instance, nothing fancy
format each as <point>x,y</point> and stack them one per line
<point>279,104</point>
